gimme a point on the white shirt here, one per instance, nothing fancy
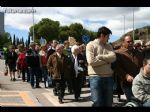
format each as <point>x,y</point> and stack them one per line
<point>76,65</point>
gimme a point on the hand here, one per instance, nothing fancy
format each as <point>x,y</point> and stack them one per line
<point>129,78</point>
<point>81,61</point>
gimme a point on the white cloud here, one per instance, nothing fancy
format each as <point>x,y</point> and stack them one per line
<point>113,17</point>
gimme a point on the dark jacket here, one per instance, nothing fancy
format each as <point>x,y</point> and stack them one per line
<point>32,58</point>
<point>146,52</point>
<point>128,64</point>
<point>60,67</point>
<point>11,58</point>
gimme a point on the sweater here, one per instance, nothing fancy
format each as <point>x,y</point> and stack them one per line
<point>99,58</point>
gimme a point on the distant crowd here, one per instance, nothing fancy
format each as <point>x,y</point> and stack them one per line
<point>123,69</point>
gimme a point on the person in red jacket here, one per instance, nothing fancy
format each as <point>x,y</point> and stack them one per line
<point>22,63</point>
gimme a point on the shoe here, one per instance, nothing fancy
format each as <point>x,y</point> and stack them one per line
<point>76,99</point>
<point>32,87</point>
<point>55,93</point>
<point>11,79</point>
<point>60,101</point>
<point>38,86</point>
<point>14,79</point>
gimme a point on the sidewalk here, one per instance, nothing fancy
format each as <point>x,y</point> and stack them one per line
<point>18,93</point>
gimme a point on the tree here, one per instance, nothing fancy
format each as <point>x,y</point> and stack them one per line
<point>5,40</point>
<point>17,41</point>
<point>46,28</point>
<point>28,41</point>
<point>14,40</point>
<point>76,29</point>
<point>63,33</point>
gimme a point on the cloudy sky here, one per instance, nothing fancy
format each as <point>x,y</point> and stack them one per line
<point>90,17</point>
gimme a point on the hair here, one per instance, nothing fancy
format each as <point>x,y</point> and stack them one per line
<point>123,38</point>
<point>145,60</point>
<point>59,46</point>
<point>32,43</point>
<point>103,30</point>
<point>55,41</point>
<point>74,47</point>
<point>66,42</point>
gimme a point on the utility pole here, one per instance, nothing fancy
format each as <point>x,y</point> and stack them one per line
<point>147,33</point>
<point>124,24</point>
<point>33,24</point>
<point>133,24</point>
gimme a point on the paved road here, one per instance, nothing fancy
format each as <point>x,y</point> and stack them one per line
<point>18,93</point>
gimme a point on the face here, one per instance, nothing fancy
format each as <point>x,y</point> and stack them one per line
<point>54,44</point>
<point>37,47</point>
<point>147,68</point>
<point>128,42</point>
<point>104,38</point>
<point>60,50</point>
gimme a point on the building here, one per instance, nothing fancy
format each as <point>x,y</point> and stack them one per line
<point>1,22</point>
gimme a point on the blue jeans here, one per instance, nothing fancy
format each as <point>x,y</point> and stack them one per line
<point>101,91</point>
<point>44,73</point>
<point>34,72</point>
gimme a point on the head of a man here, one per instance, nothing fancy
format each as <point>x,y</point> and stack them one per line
<point>32,45</point>
<point>146,66</point>
<point>12,48</point>
<point>66,44</point>
<point>103,34</point>
<point>54,43</point>
<point>60,48</point>
<point>128,42</point>
<point>75,49</point>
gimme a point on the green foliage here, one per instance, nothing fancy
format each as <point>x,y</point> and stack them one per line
<point>46,28</point>
<point>5,40</point>
<point>50,30</point>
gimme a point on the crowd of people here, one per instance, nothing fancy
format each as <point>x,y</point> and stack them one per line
<point>62,66</point>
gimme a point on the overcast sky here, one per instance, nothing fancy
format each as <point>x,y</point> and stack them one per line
<point>90,17</point>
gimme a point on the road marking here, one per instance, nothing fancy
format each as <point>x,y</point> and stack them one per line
<point>54,99</point>
<point>12,104</point>
<point>26,96</point>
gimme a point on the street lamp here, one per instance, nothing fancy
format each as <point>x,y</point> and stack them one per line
<point>133,24</point>
<point>33,23</point>
<point>124,23</point>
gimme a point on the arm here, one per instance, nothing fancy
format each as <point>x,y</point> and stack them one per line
<point>49,65</point>
<point>110,57</point>
<point>91,59</point>
<point>138,90</point>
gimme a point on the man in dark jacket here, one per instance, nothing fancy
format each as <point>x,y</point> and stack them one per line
<point>33,62</point>
<point>58,65</point>
<point>146,51</point>
<point>129,62</point>
<point>11,59</point>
